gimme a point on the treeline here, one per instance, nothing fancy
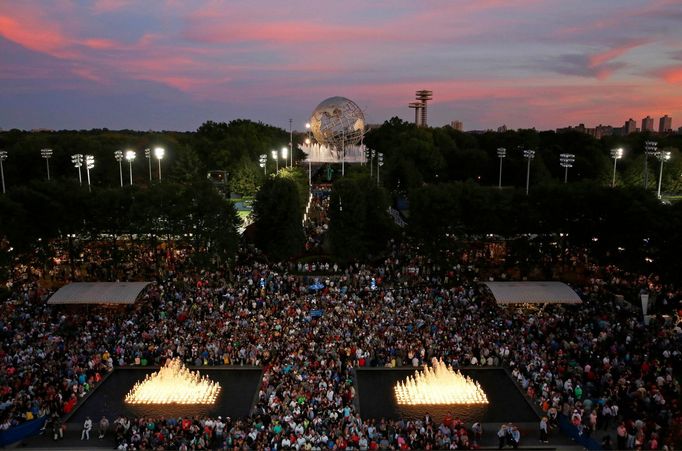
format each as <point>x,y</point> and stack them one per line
<point>39,213</point>
<point>415,156</point>
<point>624,226</point>
<point>233,147</point>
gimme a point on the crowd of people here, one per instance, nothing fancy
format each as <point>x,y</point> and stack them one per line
<point>595,363</point>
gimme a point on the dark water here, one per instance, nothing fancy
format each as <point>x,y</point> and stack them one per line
<point>239,387</point>
<point>376,399</point>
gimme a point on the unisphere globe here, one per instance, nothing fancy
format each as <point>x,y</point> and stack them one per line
<point>337,122</point>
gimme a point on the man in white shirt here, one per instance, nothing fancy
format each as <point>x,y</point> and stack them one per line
<point>87,426</point>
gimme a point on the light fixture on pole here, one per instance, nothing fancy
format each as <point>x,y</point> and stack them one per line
<point>275,157</point>
<point>529,154</point>
<point>46,153</point>
<point>77,160</point>
<point>159,153</point>
<point>310,167</point>
<point>89,164</point>
<point>285,155</point>
<point>501,154</point>
<point>616,154</point>
<point>380,163</point>
<point>663,155</point>
<point>3,157</point>
<point>118,155</point>
<point>262,160</point>
<point>307,143</point>
<point>566,160</point>
<point>130,156</point>
<point>291,144</point>
<point>148,156</point>
<point>650,148</point>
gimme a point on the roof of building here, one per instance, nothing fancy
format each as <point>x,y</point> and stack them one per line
<point>98,293</point>
<point>533,293</point>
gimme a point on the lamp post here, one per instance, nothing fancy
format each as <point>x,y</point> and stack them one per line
<point>380,163</point>
<point>46,153</point>
<point>662,156</point>
<point>616,154</point>
<point>89,164</point>
<point>77,160</point>
<point>118,155</point>
<point>276,158</point>
<point>650,148</point>
<point>148,156</point>
<point>159,153</point>
<point>310,163</point>
<point>291,144</point>
<point>501,154</point>
<point>130,156</point>
<point>262,160</point>
<point>566,160</point>
<point>3,157</point>
<point>370,156</point>
<point>529,154</point>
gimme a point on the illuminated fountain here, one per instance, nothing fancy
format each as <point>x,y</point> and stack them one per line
<point>174,384</point>
<point>439,384</point>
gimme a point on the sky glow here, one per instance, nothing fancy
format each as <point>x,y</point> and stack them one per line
<point>173,64</point>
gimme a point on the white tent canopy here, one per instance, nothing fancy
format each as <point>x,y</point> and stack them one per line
<point>533,293</point>
<point>99,293</point>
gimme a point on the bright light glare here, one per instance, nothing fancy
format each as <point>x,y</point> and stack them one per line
<point>439,384</point>
<point>130,155</point>
<point>174,384</point>
<point>159,152</point>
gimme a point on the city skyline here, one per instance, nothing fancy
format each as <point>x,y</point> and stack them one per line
<point>172,65</point>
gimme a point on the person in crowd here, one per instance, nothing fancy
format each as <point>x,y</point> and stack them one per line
<point>103,426</point>
<point>87,426</point>
<point>544,430</point>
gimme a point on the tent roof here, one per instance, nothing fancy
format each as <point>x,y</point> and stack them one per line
<point>533,293</point>
<point>98,293</point>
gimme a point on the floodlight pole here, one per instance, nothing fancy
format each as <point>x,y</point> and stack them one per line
<point>3,156</point>
<point>501,153</point>
<point>343,153</point>
<point>291,143</point>
<point>529,154</point>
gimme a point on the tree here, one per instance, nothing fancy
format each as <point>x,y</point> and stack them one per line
<point>278,219</point>
<point>360,226</point>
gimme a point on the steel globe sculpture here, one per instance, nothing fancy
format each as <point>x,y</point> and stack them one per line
<point>337,122</point>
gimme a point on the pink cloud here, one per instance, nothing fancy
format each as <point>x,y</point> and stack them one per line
<point>600,58</point>
<point>672,75</point>
<point>34,34</point>
<point>294,32</point>
<point>101,44</point>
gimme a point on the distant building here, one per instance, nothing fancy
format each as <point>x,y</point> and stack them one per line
<point>630,126</point>
<point>502,129</point>
<point>598,132</point>
<point>603,130</point>
<point>648,124</point>
<point>457,125</point>
<point>665,124</point>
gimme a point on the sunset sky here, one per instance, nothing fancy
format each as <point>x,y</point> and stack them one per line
<point>173,64</point>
